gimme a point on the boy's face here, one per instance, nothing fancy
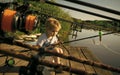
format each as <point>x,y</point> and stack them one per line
<point>52,32</point>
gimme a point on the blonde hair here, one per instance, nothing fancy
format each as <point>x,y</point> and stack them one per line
<point>52,23</point>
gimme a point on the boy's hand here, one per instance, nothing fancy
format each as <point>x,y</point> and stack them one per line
<point>35,46</point>
<point>50,47</point>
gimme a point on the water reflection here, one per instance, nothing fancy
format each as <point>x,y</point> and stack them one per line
<point>108,51</point>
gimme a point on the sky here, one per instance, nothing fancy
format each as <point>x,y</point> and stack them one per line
<point>111,4</point>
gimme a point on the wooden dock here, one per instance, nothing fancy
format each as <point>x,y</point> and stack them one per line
<point>78,52</point>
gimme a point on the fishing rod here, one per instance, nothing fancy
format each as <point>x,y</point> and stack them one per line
<point>94,6</point>
<point>84,11</point>
<point>80,10</point>
<point>43,51</point>
<point>11,40</point>
<point>87,37</point>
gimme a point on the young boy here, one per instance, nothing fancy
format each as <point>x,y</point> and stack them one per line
<point>49,37</point>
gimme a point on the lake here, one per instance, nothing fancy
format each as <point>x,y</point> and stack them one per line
<point>108,51</point>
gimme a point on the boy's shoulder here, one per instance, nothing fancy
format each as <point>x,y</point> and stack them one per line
<point>43,35</point>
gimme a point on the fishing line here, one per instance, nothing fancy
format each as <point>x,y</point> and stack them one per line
<point>95,43</point>
<point>105,46</point>
<point>66,50</point>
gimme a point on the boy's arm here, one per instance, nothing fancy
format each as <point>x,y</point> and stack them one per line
<point>36,46</point>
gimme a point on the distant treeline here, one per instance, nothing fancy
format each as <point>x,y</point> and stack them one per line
<point>102,25</point>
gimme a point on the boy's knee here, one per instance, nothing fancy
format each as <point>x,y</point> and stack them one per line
<point>59,50</point>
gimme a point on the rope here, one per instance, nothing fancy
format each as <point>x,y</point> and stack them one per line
<point>7,19</point>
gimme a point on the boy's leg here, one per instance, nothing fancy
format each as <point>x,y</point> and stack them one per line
<point>57,59</point>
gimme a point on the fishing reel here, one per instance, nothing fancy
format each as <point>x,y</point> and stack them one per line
<point>12,20</point>
<point>17,19</point>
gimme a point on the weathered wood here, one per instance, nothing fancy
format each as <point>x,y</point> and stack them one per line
<point>74,64</point>
<point>88,68</point>
<point>4,69</point>
<point>88,62</point>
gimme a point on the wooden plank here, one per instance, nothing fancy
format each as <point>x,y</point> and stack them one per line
<point>73,52</point>
<point>18,62</point>
<point>88,68</point>
<point>88,54</point>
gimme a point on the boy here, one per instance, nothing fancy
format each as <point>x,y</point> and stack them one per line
<point>49,37</point>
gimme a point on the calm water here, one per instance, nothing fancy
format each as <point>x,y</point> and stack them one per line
<point>108,51</point>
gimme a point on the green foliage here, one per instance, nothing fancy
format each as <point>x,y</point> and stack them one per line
<point>77,20</point>
<point>103,24</point>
